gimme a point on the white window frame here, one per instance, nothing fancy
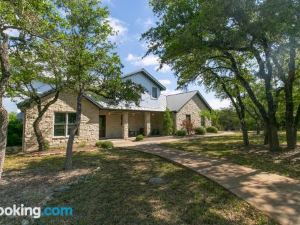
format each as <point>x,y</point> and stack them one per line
<point>66,125</point>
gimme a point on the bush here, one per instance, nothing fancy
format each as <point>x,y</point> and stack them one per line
<point>180,133</point>
<point>82,144</point>
<point>14,131</point>
<point>167,122</point>
<point>212,129</point>
<point>140,137</point>
<point>188,126</point>
<point>104,144</point>
<point>200,130</point>
<point>46,145</point>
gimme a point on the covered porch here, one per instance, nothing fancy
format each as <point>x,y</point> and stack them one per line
<point>126,124</point>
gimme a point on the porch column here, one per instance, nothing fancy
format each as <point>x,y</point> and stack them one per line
<point>147,126</point>
<point>125,125</point>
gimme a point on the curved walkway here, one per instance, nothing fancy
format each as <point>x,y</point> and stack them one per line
<point>277,196</point>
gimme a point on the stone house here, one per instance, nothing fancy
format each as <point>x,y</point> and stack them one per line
<point>101,120</point>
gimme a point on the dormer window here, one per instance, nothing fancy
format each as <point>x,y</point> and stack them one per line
<point>154,92</point>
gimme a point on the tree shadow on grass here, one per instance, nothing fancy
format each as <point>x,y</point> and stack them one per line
<point>119,193</point>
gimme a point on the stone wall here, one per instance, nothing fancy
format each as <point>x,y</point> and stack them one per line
<point>193,108</point>
<point>89,127</point>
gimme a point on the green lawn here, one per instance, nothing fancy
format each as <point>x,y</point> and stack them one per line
<point>256,155</point>
<point>119,192</point>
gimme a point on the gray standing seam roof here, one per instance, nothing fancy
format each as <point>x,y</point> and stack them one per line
<point>177,101</point>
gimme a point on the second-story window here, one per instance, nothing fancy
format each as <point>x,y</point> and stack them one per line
<point>154,92</point>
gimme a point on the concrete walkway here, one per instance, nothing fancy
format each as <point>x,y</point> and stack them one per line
<point>163,139</point>
<point>277,196</point>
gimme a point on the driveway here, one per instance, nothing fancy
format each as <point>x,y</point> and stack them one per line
<point>162,139</point>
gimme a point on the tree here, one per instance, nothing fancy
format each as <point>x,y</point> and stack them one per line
<point>228,119</point>
<point>193,33</point>
<point>19,22</point>
<point>14,131</point>
<point>168,126</point>
<point>211,115</point>
<point>41,65</point>
<point>92,67</point>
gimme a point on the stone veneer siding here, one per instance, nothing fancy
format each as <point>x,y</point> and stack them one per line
<point>193,108</point>
<point>89,127</point>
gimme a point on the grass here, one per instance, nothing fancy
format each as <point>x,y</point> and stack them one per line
<point>256,155</point>
<point>119,192</point>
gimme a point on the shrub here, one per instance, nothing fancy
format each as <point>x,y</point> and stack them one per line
<point>14,130</point>
<point>104,144</point>
<point>46,145</point>
<point>212,129</point>
<point>180,133</point>
<point>167,123</point>
<point>200,130</point>
<point>82,144</point>
<point>140,137</point>
<point>188,126</point>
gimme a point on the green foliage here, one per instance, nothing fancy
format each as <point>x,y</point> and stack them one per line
<point>200,130</point>
<point>82,144</point>
<point>46,145</point>
<point>139,137</point>
<point>231,44</point>
<point>14,131</point>
<point>105,144</point>
<point>188,126</point>
<point>181,133</point>
<point>228,119</point>
<point>91,63</point>
<point>212,129</point>
<point>168,123</point>
<point>211,115</point>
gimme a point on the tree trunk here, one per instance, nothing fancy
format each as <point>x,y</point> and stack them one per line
<point>3,135</point>
<point>38,134</point>
<point>291,127</point>
<point>5,75</point>
<point>273,137</point>
<point>69,151</point>
<point>266,136</point>
<point>240,110</point>
<point>36,124</point>
<point>245,133</point>
<point>258,127</point>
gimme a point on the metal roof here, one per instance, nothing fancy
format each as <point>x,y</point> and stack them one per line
<point>177,101</point>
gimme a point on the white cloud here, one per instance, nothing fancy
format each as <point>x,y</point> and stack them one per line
<point>219,104</point>
<point>149,60</point>
<point>148,23</point>
<point>145,23</point>
<point>165,82</point>
<point>164,69</point>
<point>108,2</point>
<point>119,27</point>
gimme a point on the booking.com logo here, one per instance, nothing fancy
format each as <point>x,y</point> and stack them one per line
<point>35,212</point>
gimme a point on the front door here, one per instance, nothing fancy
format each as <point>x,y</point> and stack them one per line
<point>102,126</point>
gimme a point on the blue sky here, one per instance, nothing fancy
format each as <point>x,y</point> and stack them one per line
<point>130,18</point>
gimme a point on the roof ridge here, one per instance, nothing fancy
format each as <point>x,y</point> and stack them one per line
<point>182,93</point>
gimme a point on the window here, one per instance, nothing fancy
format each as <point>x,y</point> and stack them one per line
<point>188,117</point>
<point>154,92</point>
<point>64,123</point>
